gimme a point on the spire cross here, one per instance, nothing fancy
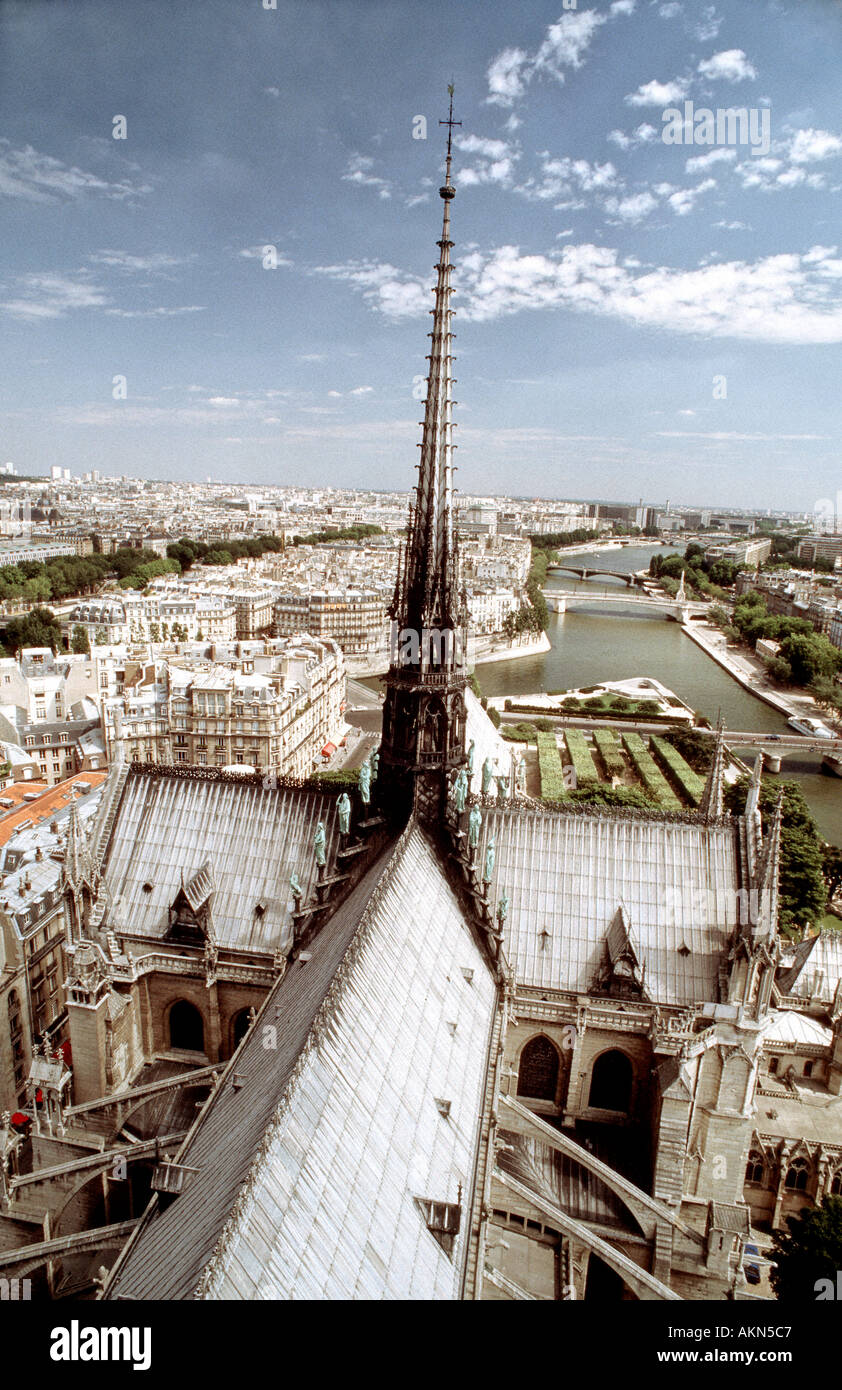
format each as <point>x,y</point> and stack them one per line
<point>450,123</point>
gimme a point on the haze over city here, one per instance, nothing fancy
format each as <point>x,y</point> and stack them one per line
<point>605,281</point>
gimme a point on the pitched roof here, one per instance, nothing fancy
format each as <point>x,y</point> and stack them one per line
<point>167,827</point>
<point>307,1171</point>
<point>564,875</point>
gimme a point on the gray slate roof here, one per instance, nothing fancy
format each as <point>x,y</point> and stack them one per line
<point>245,837</point>
<point>567,874</point>
<point>312,1166</point>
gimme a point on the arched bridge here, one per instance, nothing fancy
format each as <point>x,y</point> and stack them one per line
<point>630,579</point>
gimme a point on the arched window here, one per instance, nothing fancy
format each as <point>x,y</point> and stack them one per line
<point>755,1168</point>
<point>808,1068</point>
<point>836,1184</point>
<point>537,1075</point>
<point>611,1082</point>
<point>240,1027</point>
<point>187,1031</point>
<point>797,1176</point>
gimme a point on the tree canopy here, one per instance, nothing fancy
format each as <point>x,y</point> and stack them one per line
<point>810,1251</point>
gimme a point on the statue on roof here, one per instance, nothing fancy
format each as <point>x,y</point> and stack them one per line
<point>365,783</point>
<point>471,757</point>
<point>502,908</point>
<point>474,823</point>
<point>375,763</point>
<point>490,853</point>
<point>521,774</point>
<point>460,790</point>
<point>487,774</point>
<point>502,779</point>
<point>343,808</point>
<point>295,888</point>
<point>320,845</point>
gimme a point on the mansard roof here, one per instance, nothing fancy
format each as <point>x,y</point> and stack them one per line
<point>310,1155</point>
<point>564,874</point>
<point>168,832</point>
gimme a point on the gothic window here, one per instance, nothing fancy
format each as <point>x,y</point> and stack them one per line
<point>187,1030</point>
<point>611,1082</point>
<point>756,1168</point>
<point>797,1176</point>
<point>240,1027</point>
<point>808,1068</point>
<point>836,1184</point>
<point>538,1070</point>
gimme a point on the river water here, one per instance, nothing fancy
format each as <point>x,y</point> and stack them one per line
<point>589,646</point>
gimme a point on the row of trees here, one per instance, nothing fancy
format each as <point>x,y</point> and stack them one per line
<point>359,532</point>
<point>709,578</point>
<point>533,615</point>
<point>188,552</point>
<point>806,657</point>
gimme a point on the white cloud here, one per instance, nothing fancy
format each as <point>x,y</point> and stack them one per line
<point>124,260</point>
<point>396,295</point>
<point>39,178</point>
<point>721,155</point>
<point>560,178</point>
<point>162,312</point>
<point>684,200</point>
<point>495,164</point>
<point>731,65</point>
<point>669,10</point>
<point>359,172</point>
<point>624,7</point>
<point>633,208</point>
<point>776,299</point>
<point>272,91</point>
<point>564,46</point>
<point>643,135</point>
<point>507,76</point>
<point>656,93</point>
<point>810,145</point>
<point>708,25</point>
<point>52,297</point>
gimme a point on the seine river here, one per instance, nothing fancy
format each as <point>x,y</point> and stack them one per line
<point>594,645</point>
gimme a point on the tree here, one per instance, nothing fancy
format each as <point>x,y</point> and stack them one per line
<point>474,685</point>
<point>810,655</point>
<point>39,628</point>
<point>79,640</point>
<point>494,716</point>
<point>101,637</point>
<point>696,749</point>
<point>809,1252</point>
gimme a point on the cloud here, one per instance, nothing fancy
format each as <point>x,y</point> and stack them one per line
<point>272,91</point>
<point>161,312</point>
<point>656,93</point>
<point>562,178</point>
<point>39,178</point>
<point>684,200</point>
<point>359,172</point>
<point>394,294</point>
<point>633,208</point>
<point>722,155</point>
<point>669,10</point>
<point>496,161</point>
<point>257,253</point>
<point>564,46</point>
<point>625,7</point>
<point>643,135</point>
<point>809,146</point>
<point>53,297</point>
<point>708,25</point>
<point>776,299</point>
<point>731,65</point>
<point>124,260</point>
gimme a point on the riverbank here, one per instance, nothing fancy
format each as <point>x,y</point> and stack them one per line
<point>749,671</point>
<point>480,649</point>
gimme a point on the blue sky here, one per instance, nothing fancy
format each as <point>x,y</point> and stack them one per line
<point>607,281</point>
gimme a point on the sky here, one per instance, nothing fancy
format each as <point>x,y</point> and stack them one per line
<point>219,219</point>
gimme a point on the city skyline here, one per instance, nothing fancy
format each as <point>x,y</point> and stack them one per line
<point>605,281</point>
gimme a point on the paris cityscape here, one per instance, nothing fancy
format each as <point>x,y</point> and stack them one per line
<point>421,646</point>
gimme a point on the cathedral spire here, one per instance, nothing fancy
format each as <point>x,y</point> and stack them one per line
<point>427,594</point>
<point>424,709</point>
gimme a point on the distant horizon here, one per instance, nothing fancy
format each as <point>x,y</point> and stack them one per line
<point>220,228</point>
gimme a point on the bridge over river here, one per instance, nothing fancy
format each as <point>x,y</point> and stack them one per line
<point>775,746</point>
<point>681,611</point>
